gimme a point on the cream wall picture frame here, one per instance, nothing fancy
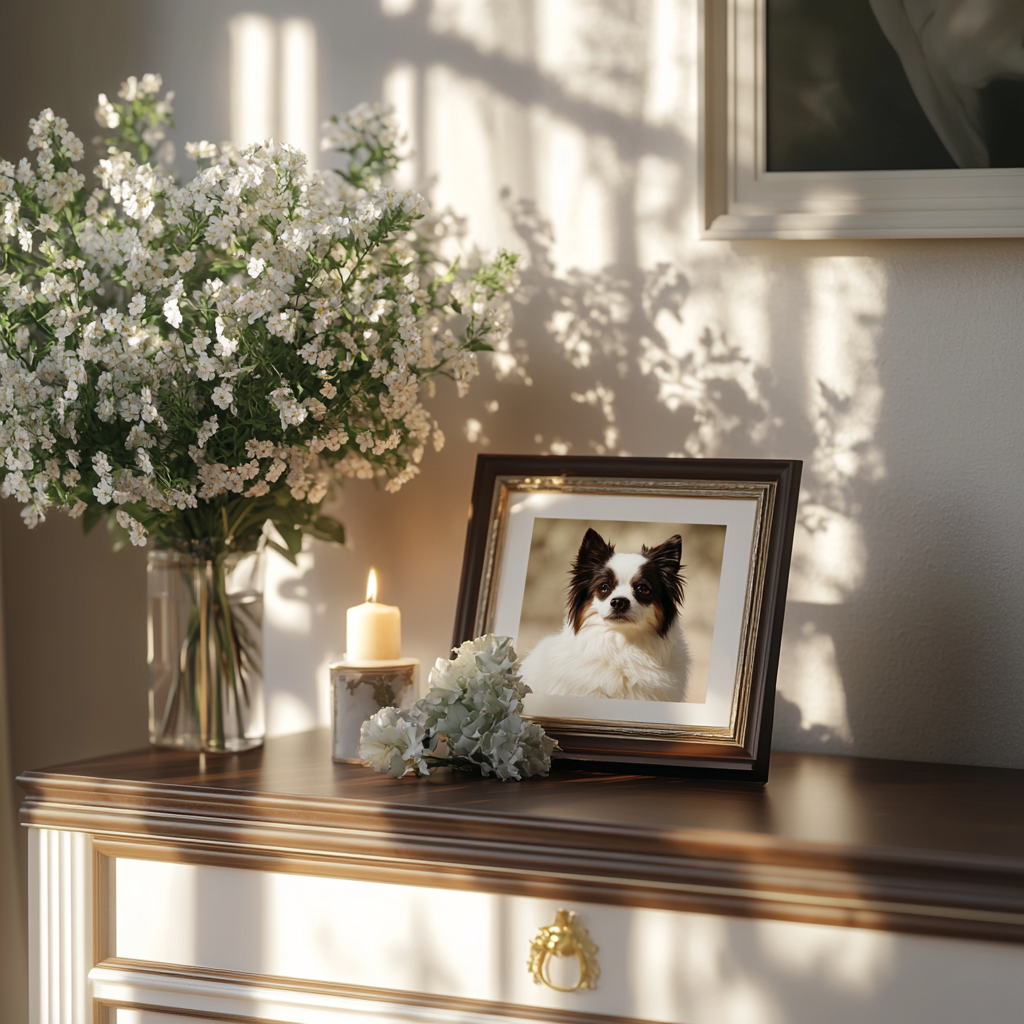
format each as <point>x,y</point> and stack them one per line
<point>743,198</point>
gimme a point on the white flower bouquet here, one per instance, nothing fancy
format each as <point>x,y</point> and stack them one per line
<point>470,720</point>
<point>188,360</point>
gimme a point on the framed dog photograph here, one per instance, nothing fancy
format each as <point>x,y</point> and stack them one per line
<point>862,118</point>
<point>645,598</point>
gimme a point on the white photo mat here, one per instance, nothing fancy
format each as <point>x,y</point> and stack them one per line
<point>738,515</point>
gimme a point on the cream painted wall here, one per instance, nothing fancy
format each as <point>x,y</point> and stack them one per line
<point>567,129</point>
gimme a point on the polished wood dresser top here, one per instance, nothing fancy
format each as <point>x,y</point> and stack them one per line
<point>898,845</point>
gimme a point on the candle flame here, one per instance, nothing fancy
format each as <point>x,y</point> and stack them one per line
<point>371,586</point>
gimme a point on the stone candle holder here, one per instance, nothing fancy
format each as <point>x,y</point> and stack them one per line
<point>359,689</point>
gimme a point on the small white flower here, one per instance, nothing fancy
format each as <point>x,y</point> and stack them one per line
<point>151,84</point>
<point>172,314</point>
<point>129,89</point>
<point>136,531</point>
<point>206,368</point>
<point>222,396</point>
<point>208,429</point>
<point>255,266</point>
<point>201,150</point>
<point>106,115</point>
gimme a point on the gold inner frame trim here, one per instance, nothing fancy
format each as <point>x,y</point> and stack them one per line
<point>763,493</point>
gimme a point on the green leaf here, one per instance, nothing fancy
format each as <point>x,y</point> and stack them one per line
<point>326,528</point>
<point>117,534</point>
<point>291,535</point>
<point>91,516</point>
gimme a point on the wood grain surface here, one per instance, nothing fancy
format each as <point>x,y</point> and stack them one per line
<point>935,849</point>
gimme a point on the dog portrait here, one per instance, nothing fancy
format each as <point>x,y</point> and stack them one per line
<point>643,597</point>
<point>620,610</point>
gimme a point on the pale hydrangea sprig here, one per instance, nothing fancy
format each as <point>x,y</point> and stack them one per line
<point>393,741</point>
<point>475,707</point>
<point>196,357</point>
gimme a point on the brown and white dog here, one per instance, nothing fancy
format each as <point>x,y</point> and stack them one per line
<point>622,637</point>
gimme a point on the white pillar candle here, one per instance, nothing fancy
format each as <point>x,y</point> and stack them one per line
<point>374,630</point>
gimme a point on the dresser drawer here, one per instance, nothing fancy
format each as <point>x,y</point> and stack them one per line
<point>398,952</point>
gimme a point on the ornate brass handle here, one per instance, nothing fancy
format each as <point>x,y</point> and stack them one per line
<point>564,938</point>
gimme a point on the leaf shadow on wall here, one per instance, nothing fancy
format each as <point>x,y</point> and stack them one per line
<point>609,326</point>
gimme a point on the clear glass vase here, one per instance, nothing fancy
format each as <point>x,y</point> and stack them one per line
<point>205,651</point>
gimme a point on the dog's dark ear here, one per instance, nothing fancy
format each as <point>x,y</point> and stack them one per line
<point>666,557</point>
<point>593,554</point>
<point>594,551</point>
<point>667,553</point>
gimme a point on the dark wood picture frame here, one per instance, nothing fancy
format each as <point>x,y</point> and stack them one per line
<point>739,751</point>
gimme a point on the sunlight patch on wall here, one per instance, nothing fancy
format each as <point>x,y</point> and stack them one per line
<point>572,171</point>
<point>829,561</point>
<point>287,629</point>
<point>397,8</point>
<point>288,713</point>
<point>665,89</point>
<point>462,116</point>
<point>473,430</point>
<point>809,676</point>
<point>299,126</point>
<point>400,90</point>
<point>252,78</point>
<point>846,300</point>
<point>663,192</point>
<point>596,53</point>
<point>273,76</point>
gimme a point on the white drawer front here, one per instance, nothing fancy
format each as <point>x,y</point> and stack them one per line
<point>656,965</point>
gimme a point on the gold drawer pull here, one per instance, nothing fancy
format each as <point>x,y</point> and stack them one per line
<point>564,938</point>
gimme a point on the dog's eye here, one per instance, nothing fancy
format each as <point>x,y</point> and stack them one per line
<point>604,588</point>
<point>642,589</point>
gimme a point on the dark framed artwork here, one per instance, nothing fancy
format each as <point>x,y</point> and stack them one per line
<point>646,599</point>
<point>863,118</point>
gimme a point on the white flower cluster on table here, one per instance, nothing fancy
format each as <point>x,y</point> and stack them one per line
<point>199,357</point>
<point>474,708</point>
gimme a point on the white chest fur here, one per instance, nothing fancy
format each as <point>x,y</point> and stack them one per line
<point>615,662</point>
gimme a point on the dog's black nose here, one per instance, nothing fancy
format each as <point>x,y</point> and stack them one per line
<point>620,604</point>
